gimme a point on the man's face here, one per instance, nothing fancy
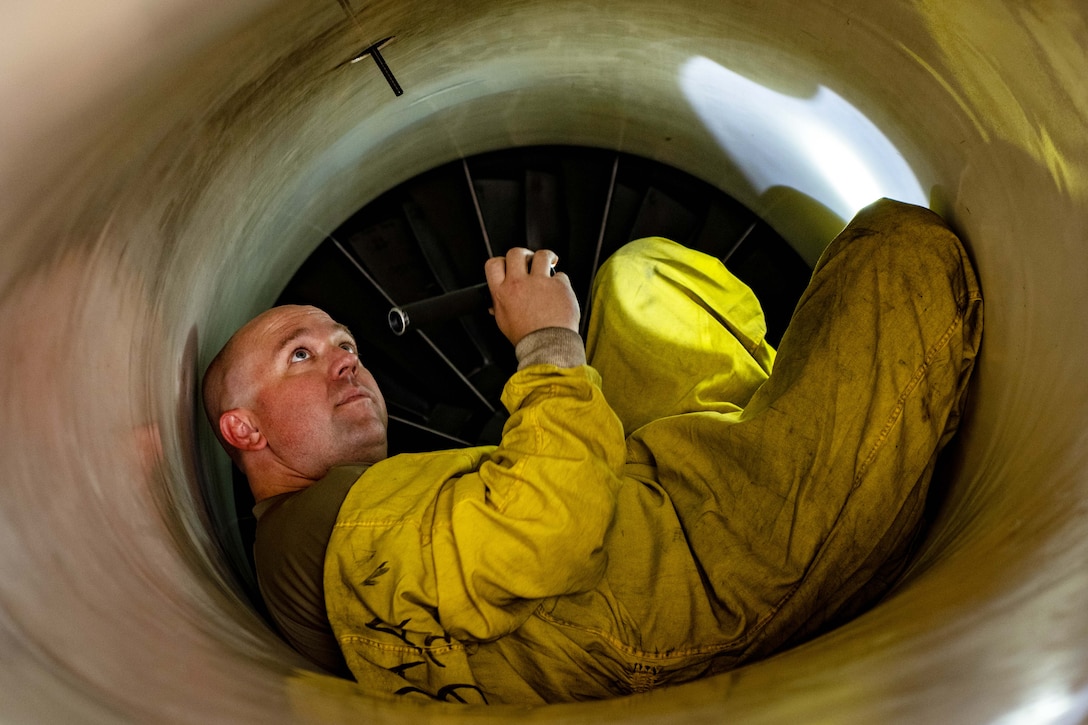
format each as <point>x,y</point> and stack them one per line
<point>316,405</point>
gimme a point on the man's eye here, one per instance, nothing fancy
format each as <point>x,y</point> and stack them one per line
<point>300,355</point>
<point>349,346</point>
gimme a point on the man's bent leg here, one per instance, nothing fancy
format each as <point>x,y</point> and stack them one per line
<point>672,331</point>
<point>799,506</point>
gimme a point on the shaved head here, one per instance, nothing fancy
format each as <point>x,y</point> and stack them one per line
<point>226,384</point>
<point>288,395</point>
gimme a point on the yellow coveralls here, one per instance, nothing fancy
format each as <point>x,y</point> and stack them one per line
<point>711,515</point>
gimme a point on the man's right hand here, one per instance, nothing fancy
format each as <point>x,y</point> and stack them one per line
<point>526,296</point>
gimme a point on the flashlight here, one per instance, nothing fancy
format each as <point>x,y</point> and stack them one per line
<point>439,309</point>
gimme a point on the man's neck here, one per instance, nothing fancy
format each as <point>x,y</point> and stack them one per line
<point>268,483</point>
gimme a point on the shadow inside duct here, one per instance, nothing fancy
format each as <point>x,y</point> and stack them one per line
<point>432,234</point>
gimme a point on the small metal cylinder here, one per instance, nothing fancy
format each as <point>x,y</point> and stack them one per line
<point>439,309</point>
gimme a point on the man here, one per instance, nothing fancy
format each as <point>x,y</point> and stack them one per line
<point>673,511</point>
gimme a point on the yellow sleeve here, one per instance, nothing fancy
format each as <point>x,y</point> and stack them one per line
<point>530,523</point>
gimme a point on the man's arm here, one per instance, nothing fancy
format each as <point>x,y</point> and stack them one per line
<point>531,522</point>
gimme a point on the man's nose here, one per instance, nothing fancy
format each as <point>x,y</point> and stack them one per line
<point>345,363</point>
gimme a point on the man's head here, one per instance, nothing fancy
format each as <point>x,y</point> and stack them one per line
<point>289,400</point>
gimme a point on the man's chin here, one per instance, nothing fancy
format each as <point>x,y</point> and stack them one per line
<point>371,451</point>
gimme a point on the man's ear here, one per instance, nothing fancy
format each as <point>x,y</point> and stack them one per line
<point>239,428</point>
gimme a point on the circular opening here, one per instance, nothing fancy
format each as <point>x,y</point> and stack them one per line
<point>180,207</point>
<point>429,237</point>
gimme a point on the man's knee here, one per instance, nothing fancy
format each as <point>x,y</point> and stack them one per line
<point>892,225</point>
<point>907,242</point>
<point>633,261</point>
<point>638,252</point>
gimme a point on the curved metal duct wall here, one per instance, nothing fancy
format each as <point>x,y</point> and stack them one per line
<point>166,167</point>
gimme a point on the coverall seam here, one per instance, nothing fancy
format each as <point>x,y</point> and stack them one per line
<point>941,343</point>
<point>400,648</point>
<point>378,524</point>
<point>756,344</point>
<point>624,648</point>
<point>911,386</point>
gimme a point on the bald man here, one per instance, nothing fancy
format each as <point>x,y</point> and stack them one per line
<point>672,510</point>
<point>292,400</point>
<point>289,401</point>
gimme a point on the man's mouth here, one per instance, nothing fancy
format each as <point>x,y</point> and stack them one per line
<point>352,397</point>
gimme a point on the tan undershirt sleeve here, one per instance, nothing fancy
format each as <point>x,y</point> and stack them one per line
<point>552,345</point>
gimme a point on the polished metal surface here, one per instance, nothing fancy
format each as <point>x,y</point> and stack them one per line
<point>165,167</point>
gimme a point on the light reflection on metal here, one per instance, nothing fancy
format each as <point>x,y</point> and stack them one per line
<point>1049,707</point>
<point>846,162</point>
